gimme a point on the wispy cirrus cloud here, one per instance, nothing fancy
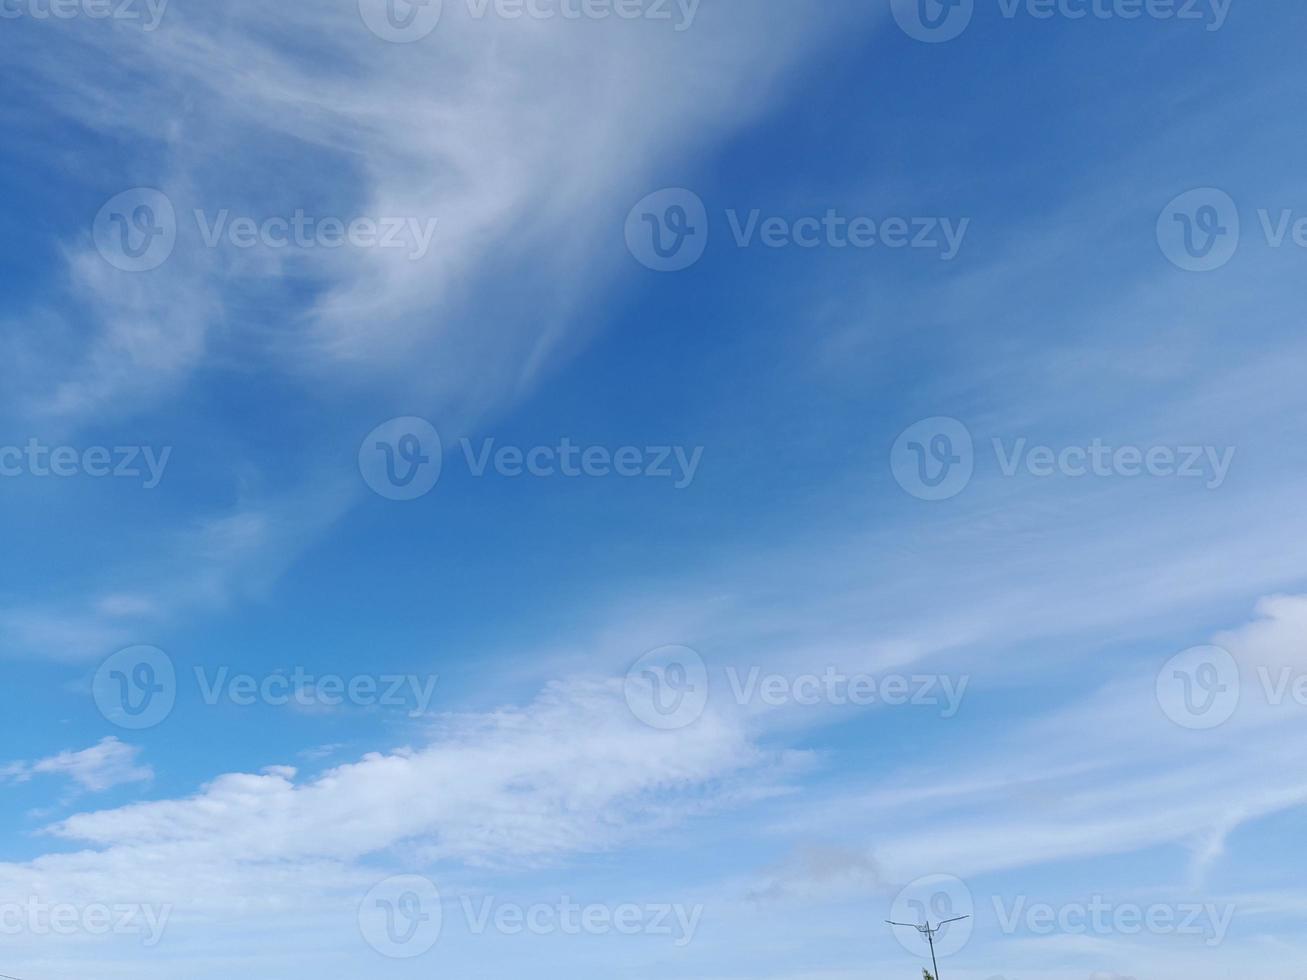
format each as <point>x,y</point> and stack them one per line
<point>499,130</point>
<point>494,127</point>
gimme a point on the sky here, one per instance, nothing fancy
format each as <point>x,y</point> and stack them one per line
<point>652,489</point>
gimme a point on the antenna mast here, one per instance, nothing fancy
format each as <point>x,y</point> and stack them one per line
<point>930,933</point>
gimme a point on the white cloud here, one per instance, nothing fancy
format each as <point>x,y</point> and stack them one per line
<point>572,773</point>
<point>106,765</point>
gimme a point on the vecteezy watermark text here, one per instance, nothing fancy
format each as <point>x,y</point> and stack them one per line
<point>407,21</point>
<point>936,899</point>
<point>669,688</point>
<point>138,230</point>
<point>668,231</point>
<point>837,688</point>
<point>37,917</point>
<point>569,918</point>
<point>403,459</point>
<point>935,459</point>
<point>304,231</point>
<point>148,12</point>
<point>403,917</point>
<point>936,21</point>
<point>1207,463</point>
<point>1099,917</point>
<point>36,459</point>
<point>679,13</point>
<point>300,688</point>
<point>137,688</point>
<point>676,463</point>
<point>833,230</point>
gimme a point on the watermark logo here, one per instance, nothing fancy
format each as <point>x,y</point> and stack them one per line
<point>930,901</point>
<point>667,231</point>
<point>401,917</point>
<point>934,459</point>
<point>1200,689</point>
<point>402,459</point>
<point>401,21</point>
<point>667,688</point>
<point>136,688</point>
<point>136,231</point>
<point>933,21</point>
<point>1199,230</point>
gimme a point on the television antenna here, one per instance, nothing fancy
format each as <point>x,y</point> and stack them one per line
<point>930,932</point>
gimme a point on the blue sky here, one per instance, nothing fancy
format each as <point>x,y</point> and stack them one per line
<point>1037,475</point>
